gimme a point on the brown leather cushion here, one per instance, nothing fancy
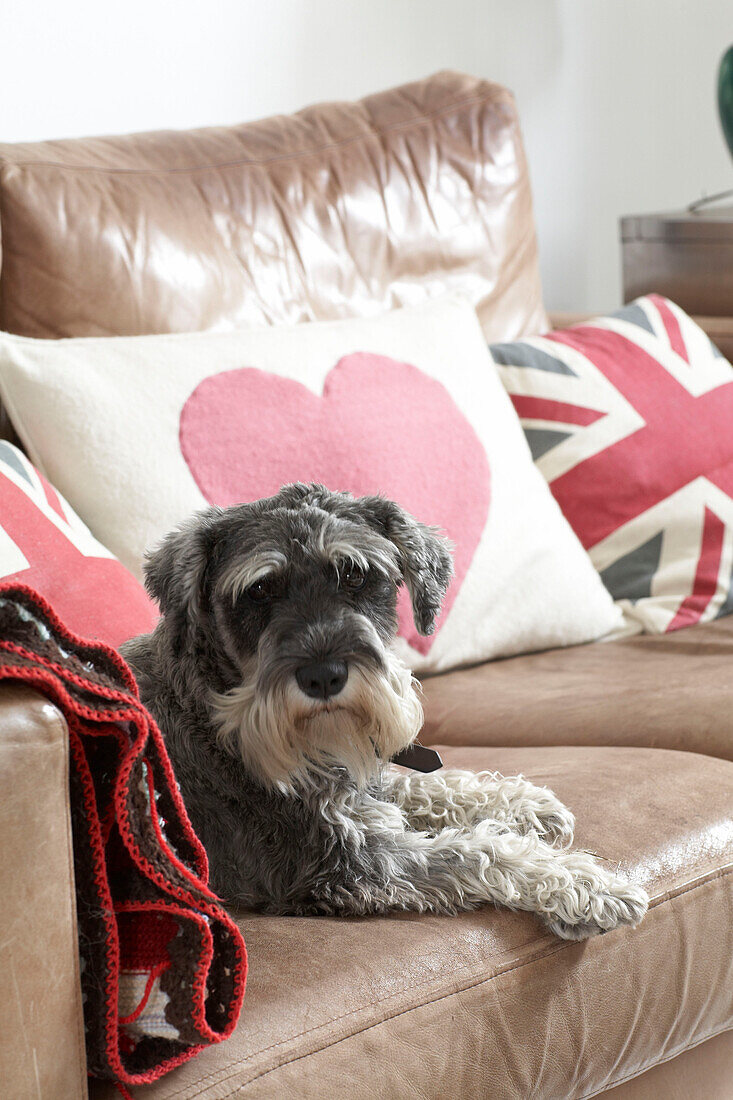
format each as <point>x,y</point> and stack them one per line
<point>707,1067</point>
<point>673,691</point>
<point>343,209</point>
<point>488,1003</point>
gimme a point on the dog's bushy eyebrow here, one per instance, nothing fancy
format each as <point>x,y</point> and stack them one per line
<point>245,571</point>
<point>424,555</point>
<point>338,541</point>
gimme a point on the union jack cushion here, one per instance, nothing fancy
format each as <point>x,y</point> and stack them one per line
<point>45,545</point>
<point>630,419</point>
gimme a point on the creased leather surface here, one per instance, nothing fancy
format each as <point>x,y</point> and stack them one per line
<point>707,1067</point>
<point>343,209</point>
<point>666,691</point>
<point>488,1003</point>
<point>41,1037</point>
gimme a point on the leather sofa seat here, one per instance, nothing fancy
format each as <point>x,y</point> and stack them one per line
<point>673,691</point>
<point>489,1004</point>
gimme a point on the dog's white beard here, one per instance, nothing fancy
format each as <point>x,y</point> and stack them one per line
<point>282,736</point>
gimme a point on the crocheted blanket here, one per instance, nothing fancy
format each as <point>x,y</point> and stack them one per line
<point>162,965</point>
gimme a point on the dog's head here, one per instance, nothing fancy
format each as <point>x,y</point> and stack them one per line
<point>295,598</point>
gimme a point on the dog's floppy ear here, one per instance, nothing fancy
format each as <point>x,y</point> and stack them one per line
<point>175,571</point>
<point>424,557</point>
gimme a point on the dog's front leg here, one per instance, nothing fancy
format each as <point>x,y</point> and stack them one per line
<point>381,868</point>
<point>457,798</point>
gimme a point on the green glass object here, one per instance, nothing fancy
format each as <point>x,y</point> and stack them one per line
<point>725,96</point>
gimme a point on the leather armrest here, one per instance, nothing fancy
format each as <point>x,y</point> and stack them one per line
<point>563,320</point>
<point>719,329</point>
<point>42,1033</point>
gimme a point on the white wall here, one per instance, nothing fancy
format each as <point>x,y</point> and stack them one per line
<point>616,96</point>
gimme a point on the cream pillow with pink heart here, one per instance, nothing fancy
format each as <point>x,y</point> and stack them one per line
<point>139,432</point>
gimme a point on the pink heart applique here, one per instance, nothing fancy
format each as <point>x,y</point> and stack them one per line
<point>380,426</point>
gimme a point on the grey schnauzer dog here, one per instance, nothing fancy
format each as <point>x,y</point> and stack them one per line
<point>273,679</point>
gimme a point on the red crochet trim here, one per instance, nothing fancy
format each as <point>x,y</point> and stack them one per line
<point>91,648</point>
<point>193,902</point>
<point>152,975</point>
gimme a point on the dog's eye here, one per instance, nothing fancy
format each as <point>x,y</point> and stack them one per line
<point>352,577</point>
<point>264,589</point>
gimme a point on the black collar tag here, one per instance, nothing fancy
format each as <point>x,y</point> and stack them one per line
<point>418,758</point>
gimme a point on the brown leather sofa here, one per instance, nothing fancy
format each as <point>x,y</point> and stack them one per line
<point>351,209</point>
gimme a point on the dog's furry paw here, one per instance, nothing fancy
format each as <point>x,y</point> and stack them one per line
<point>600,908</point>
<point>537,810</point>
<point>550,820</point>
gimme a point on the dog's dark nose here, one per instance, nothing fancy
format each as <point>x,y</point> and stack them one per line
<point>321,679</point>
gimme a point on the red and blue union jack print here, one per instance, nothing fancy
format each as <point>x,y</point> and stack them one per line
<point>630,419</point>
<point>44,544</point>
